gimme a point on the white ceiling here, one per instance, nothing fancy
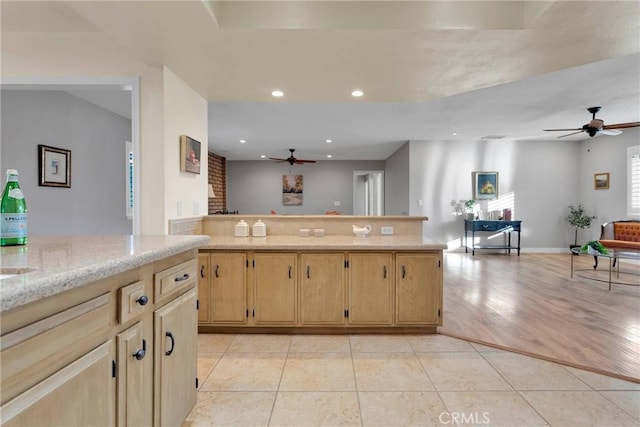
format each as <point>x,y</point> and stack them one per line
<point>428,68</point>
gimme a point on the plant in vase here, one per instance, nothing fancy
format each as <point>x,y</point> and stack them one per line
<point>464,207</point>
<point>578,219</point>
<point>594,247</point>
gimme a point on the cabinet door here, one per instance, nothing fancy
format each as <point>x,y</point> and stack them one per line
<point>274,289</point>
<point>228,288</point>
<point>322,289</point>
<point>204,294</point>
<point>418,289</point>
<point>176,343</point>
<point>370,289</point>
<point>135,377</point>
<point>81,394</point>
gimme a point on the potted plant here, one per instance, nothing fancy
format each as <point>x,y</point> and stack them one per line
<point>469,208</point>
<point>577,218</point>
<point>594,247</point>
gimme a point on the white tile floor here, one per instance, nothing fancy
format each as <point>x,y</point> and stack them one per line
<point>384,380</point>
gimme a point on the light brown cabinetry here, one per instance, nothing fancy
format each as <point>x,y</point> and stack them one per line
<point>175,359</point>
<point>274,292</point>
<point>80,394</point>
<point>418,289</point>
<point>90,359</point>
<point>204,288</point>
<point>228,279</point>
<point>371,289</point>
<point>322,289</point>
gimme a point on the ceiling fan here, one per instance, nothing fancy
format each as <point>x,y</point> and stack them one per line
<point>597,126</point>
<point>292,160</point>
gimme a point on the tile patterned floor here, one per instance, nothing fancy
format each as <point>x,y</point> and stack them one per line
<point>379,380</point>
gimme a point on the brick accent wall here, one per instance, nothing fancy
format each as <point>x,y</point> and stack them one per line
<point>218,178</point>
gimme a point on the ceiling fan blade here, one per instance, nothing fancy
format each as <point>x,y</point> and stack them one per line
<point>569,134</point>
<point>562,130</point>
<point>611,132</point>
<point>275,158</point>
<point>622,125</point>
<point>299,161</point>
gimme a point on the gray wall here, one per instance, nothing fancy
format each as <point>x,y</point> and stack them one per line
<point>544,177</point>
<point>396,182</point>
<point>95,203</point>
<point>255,187</point>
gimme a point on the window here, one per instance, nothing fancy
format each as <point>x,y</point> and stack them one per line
<point>633,181</point>
<point>129,181</point>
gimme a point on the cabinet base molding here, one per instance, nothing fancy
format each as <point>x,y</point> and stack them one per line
<point>324,330</point>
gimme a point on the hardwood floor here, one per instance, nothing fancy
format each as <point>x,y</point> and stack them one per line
<point>531,305</point>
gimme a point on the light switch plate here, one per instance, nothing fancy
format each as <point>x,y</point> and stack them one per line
<point>336,203</point>
<point>386,230</point>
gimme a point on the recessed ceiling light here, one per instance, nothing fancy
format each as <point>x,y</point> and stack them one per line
<point>357,93</point>
<point>328,141</point>
<point>242,141</point>
<point>277,93</point>
<point>329,156</point>
<point>454,133</point>
<point>262,156</point>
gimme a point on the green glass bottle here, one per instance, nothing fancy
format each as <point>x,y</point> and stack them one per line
<point>13,213</point>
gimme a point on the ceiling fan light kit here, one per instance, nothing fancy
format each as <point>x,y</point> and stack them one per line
<point>596,126</point>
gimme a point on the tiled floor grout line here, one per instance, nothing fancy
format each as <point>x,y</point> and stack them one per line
<point>355,382</point>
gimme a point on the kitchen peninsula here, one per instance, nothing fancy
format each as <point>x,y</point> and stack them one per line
<point>99,330</point>
<point>335,282</point>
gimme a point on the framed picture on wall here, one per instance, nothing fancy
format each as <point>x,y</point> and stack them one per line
<point>54,167</point>
<point>189,154</point>
<point>601,181</point>
<point>292,187</point>
<point>485,185</point>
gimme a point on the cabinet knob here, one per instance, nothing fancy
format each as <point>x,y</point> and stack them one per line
<point>143,300</point>
<point>139,355</point>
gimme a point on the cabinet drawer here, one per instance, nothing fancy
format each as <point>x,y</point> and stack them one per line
<point>176,278</point>
<point>34,352</point>
<point>488,226</point>
<point>132,300</point>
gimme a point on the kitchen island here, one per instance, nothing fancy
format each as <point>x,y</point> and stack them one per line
<point>99,330</point>
<point>337,283</point>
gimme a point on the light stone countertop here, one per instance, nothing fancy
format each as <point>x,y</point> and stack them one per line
<point>337,242</point>
<point>57,264</point>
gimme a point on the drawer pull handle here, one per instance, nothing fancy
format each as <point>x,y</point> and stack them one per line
<point>384,272</point>
<point>308,272</point>
<point>173,344</point>
<point>289,272</point>
<point>217,271</point>
<point>202,271</point>
<point>403,271</point>
<point>139,355</point>
<point>184,277</point>
<point>143,300</point>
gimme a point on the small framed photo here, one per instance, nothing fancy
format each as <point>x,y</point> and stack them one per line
<point>54,167</point>
<point>485,185</point>
<point>189,154</point>
<point>601,181</point>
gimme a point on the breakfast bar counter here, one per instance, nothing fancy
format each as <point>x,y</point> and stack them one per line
<point>338,242</point>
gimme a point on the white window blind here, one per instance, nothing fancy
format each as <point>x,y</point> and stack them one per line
<point>633,181</point>
<point>129,183</point>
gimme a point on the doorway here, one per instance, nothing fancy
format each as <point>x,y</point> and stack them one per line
<point>368,193</point>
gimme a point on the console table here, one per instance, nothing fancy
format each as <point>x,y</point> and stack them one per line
<point>491,226</point>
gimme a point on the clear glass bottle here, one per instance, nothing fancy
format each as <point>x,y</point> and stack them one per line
<point>13,212</point>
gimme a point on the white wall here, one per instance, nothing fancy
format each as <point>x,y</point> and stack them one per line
<point>396,182</point>
<point>185,113</point>
<point>605,154</point>
<point>96,201</point>
<point>255,187</point>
